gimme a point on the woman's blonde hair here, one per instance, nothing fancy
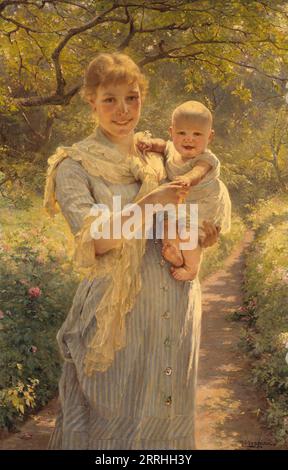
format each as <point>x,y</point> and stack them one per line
<point>111,69</point>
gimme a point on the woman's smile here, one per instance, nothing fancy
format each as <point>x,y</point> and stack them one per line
<point>122,123</point>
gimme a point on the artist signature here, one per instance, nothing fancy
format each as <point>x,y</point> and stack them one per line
<point>256,444</point>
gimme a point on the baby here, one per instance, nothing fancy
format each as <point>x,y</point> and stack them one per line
<point>188,160</point>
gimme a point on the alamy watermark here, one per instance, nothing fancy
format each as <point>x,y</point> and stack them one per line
<point>177,217</point>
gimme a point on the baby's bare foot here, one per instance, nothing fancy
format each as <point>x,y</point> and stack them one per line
<point>171,253</point>
<point>183,274</point>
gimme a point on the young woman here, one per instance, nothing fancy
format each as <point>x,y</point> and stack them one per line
<point>131,338</point>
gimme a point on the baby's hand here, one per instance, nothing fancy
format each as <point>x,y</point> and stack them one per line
<point>184,180</point>
<point>144,146</point>
<point>188,180</point>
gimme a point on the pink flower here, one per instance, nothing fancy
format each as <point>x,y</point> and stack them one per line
<point>34,292</point>
<point>33,349</point>
<point>24,282</point>
<point>2,314</point>
<point>243,309</point>
<point>6,247</point>
<point>244,318</point>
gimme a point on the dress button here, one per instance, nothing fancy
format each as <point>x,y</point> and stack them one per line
<point>167,342</point>
<point>166,315</point>
<point>165,288</point>
<point>168,371</point>
<point>168,401</point>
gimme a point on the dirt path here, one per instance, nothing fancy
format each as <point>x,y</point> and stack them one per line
<point>34,433</point>
<point>227,406</point>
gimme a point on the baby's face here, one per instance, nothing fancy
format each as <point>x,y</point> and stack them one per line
<point>190,136</point>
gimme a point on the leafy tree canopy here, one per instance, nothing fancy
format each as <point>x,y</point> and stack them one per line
<point>46,44</point>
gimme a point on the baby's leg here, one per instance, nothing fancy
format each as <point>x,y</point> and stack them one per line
<point>170,250</point>
<point>190,269</point>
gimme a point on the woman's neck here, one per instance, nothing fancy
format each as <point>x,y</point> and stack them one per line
<point>125,145</point>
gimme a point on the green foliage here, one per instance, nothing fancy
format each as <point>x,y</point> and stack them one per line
<point>14,401</point>
<point>36,288</point>
<point>265,315</point>
<point>213,39</point>
<point>230,55</point>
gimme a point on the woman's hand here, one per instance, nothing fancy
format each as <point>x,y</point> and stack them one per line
<point>168,193</point>
<point>211,234</point>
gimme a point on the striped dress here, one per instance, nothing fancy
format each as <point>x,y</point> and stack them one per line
<point>146,399</point>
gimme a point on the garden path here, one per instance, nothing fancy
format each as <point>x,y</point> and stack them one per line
<point>229,409</point>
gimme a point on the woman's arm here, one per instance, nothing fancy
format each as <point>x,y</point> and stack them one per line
<point>76,201</point>
<point>169,193</point>
<point>73,193</point>
<point>116,221</point>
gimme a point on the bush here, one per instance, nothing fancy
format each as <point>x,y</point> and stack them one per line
<point>265,312</point>
<point>37,284</point>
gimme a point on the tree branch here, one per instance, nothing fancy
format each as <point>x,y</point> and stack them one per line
<point>73,32</point>
<point>250,67</point>
<point>167,55</point>
<point>53,99</point>
<point>42,137</point>
<point>20,25</point>
<point>131,33</point>
<point>7,3</point>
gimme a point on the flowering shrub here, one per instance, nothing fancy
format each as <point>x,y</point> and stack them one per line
<point>265,313</point>
<point>36,289</point>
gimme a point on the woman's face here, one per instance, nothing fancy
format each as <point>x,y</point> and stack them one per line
<point>118,109</point>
